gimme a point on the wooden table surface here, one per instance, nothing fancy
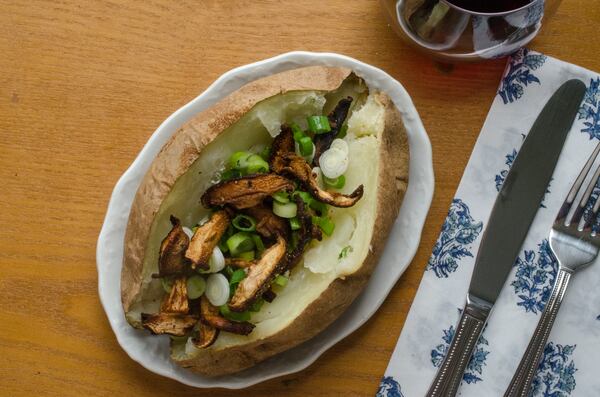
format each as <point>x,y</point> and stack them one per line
<point>83,84</point>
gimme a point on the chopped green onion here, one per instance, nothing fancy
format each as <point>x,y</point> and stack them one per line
<point>343,132</point>
<point>318,124</point>
<point>230,174</point>
<point>281,197</point>
<point>237,276</point>
<point>244,223</point>
<point>297,132</point>
<point>336,183</point>
<point>255,164</point>
<point>295,223</point>
<point>287,210</point>
<point>247,256</point>
<point>344,252</point>
<point>281,280</point>
<point>240,242</point>
<point>196,285</point>
<point>238,160</point>
<point>306,146</point>
<point>295,239</point>
<point>257,305</point>
<point>167,283</point>
<point>318,206</point>
<point>234,316</point>
<point>223,246</point>
<point>265,153</point>
<point>258,243</point>
<point>229,271</point>
<point>326,225</point>
<point>304,196</point>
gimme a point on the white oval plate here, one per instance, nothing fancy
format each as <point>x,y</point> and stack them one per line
<point>152,352</point>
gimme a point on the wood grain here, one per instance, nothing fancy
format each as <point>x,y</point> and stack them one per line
<point>82,87</point>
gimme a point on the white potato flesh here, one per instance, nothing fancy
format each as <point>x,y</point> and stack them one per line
<point>322,262</point>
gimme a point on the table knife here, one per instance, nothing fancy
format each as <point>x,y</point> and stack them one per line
<point>513,212</point>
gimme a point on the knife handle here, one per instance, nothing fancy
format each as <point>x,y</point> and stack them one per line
<point>520,385</point>
<point>470,327</point>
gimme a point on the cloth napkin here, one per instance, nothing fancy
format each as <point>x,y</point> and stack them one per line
<point>571,362</point>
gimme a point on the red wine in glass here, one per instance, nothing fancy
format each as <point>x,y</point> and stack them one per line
<point>490,6</point>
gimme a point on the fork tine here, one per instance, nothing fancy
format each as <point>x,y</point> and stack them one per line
<point>566,206</point>
<point>583,203</point>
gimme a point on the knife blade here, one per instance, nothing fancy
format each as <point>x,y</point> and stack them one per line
<point>511,217</point>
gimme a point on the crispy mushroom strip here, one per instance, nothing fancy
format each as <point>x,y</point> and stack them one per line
<point>300,169</point>
<point>259,277</point>
<point>268,224</point>
<point>169,323</point>
<point>204,335</point>
<point>336,120</point>
<point>245,192</point>
<point>240,263</point>
<point>177,300</point>
<point>206,238</point>
<point>171,257</point>
<point>305,234</point>
<point>209,315</point>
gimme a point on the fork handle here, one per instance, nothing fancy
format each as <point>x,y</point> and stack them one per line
<point>520,384</point>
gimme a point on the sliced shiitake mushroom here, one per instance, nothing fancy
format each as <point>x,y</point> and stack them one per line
<point>206,238</point>
<point>305,234</point>
<point>168,323</point>
<point>245,192</point>
<point>210,315</point>
<point>259,277</point>
<point>240,263</point>
<point>268,224</point>
<point>204,335</point>
<point>171,258</point>
<point>177,300</point>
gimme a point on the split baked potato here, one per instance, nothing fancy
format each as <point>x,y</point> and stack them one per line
<point>251,232</point>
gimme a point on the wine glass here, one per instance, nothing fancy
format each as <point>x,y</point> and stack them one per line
<point>463,30</point>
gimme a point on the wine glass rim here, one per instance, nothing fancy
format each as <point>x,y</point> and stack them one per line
<point>490,14</point>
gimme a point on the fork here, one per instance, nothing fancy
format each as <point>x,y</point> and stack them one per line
<point>575,247</point>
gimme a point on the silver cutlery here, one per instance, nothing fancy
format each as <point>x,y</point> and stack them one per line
<point>509,222</point>
<point>575,245</point>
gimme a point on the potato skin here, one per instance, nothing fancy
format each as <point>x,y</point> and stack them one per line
<point>393,177</point>
<point>184,147</point>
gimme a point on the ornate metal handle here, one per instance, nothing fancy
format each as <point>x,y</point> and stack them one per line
<point>520,384</point>
<point>459,353</point>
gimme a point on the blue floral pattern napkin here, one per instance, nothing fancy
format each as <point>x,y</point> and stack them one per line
<point>571,360</point>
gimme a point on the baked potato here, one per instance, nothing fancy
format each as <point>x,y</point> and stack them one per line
<point>251,231</point>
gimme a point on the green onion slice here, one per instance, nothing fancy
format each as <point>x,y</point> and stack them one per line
<point>244,223</point>
<point>306,146</point>
<point>247,256</point>
<point>237,276</point>
<point>287,210</point>
<point>294,223</point>
<point>297,132</point>
<point>255,164</point>
<point>196,285</point>
<point>257,305</point>
<point>326,225</point>
<point>318,124</point>
<point>258,243</point>
<point>281,280</point>
<point>238,160</point>
<point>281,197</point>
<point>240,242</point>
<point>336,183</point>
<point>234,316</point>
